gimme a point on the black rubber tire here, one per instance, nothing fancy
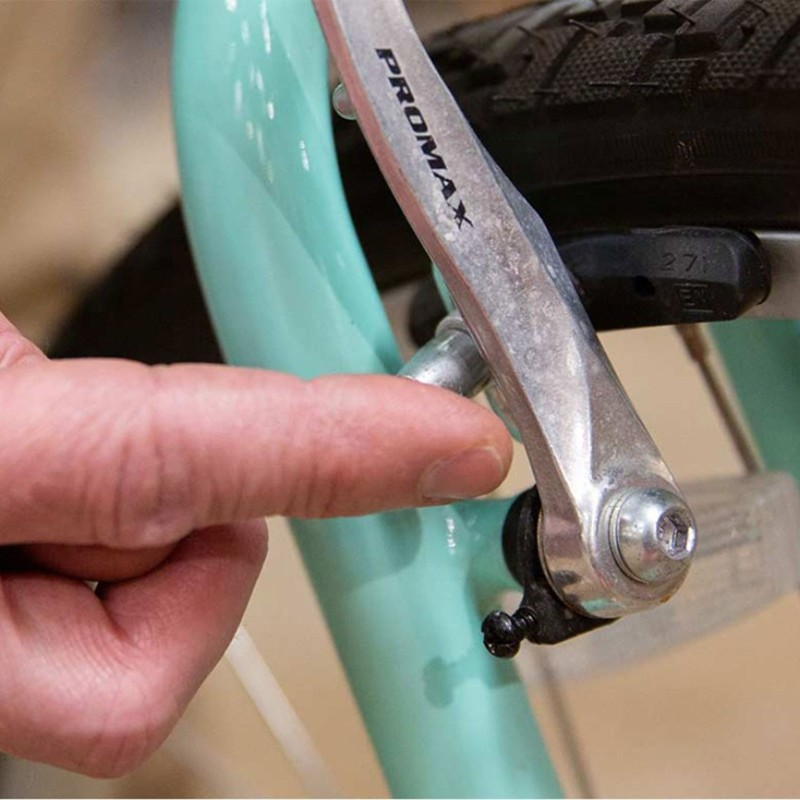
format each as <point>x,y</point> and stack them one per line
<point>635,113</point>
<point>692,106</point>
<point>148,308</point>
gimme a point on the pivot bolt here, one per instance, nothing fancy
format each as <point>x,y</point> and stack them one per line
<point>653,535</point>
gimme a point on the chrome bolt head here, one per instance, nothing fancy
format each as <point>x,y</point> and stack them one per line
<point>342,104</point>
<point>653,535</point>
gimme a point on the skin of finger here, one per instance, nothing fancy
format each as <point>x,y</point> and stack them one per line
<point>83,562</point>
<point>95,682</point>
<point>95,563</point>
<point>112,453</point>
<point>15,348</point>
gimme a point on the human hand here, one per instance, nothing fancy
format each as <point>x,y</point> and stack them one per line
<point>153,481</point>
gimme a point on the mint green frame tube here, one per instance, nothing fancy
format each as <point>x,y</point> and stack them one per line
<point>763,361</point>
<point>288,289</point>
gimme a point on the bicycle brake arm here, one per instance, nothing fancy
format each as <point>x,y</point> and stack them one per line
<point>615,534</point>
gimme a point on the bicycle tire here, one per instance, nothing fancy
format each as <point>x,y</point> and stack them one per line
<point>633,113</point>
<point>591,157</point>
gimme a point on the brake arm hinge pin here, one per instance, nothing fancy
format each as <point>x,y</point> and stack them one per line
<point>451,360</point>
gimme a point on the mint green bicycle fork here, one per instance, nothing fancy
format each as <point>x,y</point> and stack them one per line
<point>288,289</point>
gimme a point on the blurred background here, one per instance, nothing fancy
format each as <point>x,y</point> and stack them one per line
<point>86,164</point>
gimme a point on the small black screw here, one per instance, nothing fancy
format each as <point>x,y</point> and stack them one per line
<point>503,633</point>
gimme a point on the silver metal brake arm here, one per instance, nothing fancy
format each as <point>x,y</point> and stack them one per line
<point>616,535</point>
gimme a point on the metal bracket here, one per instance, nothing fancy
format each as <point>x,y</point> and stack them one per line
<point>590,452</point>
<point>541,617</point>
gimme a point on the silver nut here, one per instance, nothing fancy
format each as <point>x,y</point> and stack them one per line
<point>653,535</point>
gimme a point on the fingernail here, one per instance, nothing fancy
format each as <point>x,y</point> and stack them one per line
<point>468,474</point>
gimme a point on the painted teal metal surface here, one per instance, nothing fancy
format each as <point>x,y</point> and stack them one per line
<point>763,361</point>
<point>288,289</point>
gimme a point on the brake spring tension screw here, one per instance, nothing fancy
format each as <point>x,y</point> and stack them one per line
<point>653,535</point>
<point>504,633</point>
<point>342,104</point>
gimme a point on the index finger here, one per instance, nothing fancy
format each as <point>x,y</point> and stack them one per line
<point>118,454</point>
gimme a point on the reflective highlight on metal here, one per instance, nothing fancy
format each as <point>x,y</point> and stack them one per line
<point>584,440</point>
<point>342,104</point>
<point>450,360</point>
<point>652,535</point>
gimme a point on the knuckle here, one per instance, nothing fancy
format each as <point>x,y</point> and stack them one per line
<point>319,491</point>
<point>328,473</point>
<point>147,488</point>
